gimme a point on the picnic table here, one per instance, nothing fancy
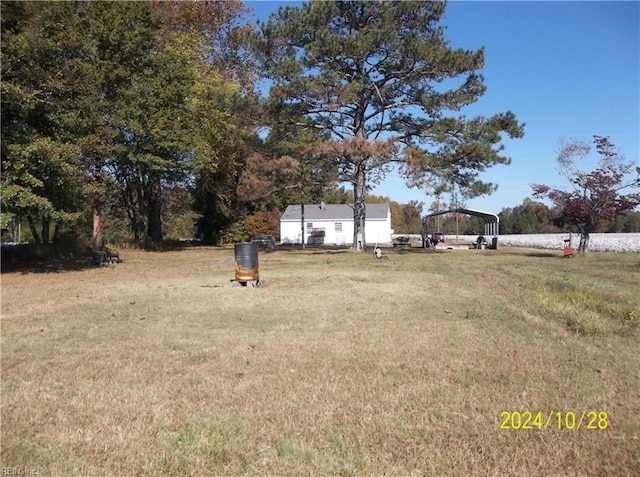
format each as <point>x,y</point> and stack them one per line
<point>402,241</point>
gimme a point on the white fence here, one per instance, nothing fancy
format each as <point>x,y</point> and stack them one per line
<point>627,243</point>
<point>624,243</point>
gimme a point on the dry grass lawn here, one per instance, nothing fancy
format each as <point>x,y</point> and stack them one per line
<point>341,365</point>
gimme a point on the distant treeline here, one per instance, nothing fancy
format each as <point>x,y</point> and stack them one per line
<point>530,217</point>
<point>145,122</point>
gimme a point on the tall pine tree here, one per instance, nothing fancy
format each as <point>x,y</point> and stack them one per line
<point>381,78</point>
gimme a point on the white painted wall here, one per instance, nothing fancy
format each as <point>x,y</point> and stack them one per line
<point>377,231</point>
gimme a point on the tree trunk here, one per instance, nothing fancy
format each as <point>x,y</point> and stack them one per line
<point>359,208</point>
<point>56,232</point>
<point>96,235</point>
<point>128,200</point>
<point>34,231</point>
<point>150,209</point>
<point>207,224</point>
<point>46,227</point>
<point>14,230</point>
<point>154,222</point>
<point>208,233</point>
<point>424,234</point>
<point>142,211</point>
<point>584,241</point>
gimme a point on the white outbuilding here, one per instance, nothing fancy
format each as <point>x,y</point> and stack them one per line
<point>332,224</point>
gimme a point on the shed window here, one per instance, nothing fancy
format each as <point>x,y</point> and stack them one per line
<point>338,226</point>
<point>309,226</point>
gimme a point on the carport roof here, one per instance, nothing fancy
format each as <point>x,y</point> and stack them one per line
<point>487,216</point>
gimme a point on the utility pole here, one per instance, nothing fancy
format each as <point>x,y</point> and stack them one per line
<point>302,215</point>
<point>455,204</point>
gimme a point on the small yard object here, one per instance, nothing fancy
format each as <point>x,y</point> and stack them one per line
<point>104,256</point>
<point>377,252</point>
<point>480,243</point>
<point>437,237</point>
<point>402,241</point>
<point>113,256</point>
<point>246,266</point>
<point>567,249</point>
<point>265,242</point>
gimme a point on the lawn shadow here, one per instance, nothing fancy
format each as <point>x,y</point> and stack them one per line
<point>315,249</point>
<point>47,266</point>
<point>31,258</point>
<point>414,250</point>
<point>543,255</point>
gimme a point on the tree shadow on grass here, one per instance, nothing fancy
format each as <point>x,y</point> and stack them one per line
<point>46,266</point>
<point>30,258</point>
<point>33,258</point>
<point>415,250</point>
<point>315,249</point>
<point>543,255</point>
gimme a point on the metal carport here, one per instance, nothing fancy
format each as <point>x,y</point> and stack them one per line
<point>491,223</point>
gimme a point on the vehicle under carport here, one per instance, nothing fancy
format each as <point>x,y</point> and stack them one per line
<point>491,225</point>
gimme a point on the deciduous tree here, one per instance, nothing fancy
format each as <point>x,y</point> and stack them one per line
<point>595,196</point>
<point>113,99</point>
<point>48,115</point>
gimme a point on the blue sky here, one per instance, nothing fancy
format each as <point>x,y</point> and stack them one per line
<point>566,69</point>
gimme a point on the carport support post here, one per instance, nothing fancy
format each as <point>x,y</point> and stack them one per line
<point>424,232</point>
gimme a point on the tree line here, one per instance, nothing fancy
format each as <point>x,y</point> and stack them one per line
<point>126,111</point>
<point>147,120</point>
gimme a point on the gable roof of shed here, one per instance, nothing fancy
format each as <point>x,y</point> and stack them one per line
<point>333,212</point>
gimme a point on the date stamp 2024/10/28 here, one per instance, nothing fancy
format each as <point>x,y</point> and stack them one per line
<point>570,420</point>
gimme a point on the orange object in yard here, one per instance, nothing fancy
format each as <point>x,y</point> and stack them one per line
<point>567,250</point>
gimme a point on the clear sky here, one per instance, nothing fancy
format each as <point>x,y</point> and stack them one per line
<point>566,69</point>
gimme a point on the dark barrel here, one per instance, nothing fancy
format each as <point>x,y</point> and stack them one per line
<point>246,261</point>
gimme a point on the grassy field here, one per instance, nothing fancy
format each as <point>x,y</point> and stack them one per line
<point>341,365</point>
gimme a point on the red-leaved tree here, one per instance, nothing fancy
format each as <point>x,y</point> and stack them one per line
<point>596,196</point>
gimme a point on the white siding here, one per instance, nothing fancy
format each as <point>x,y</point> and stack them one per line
<point>376,231</point>
<point>326,217</point>
<point>289,232</point>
